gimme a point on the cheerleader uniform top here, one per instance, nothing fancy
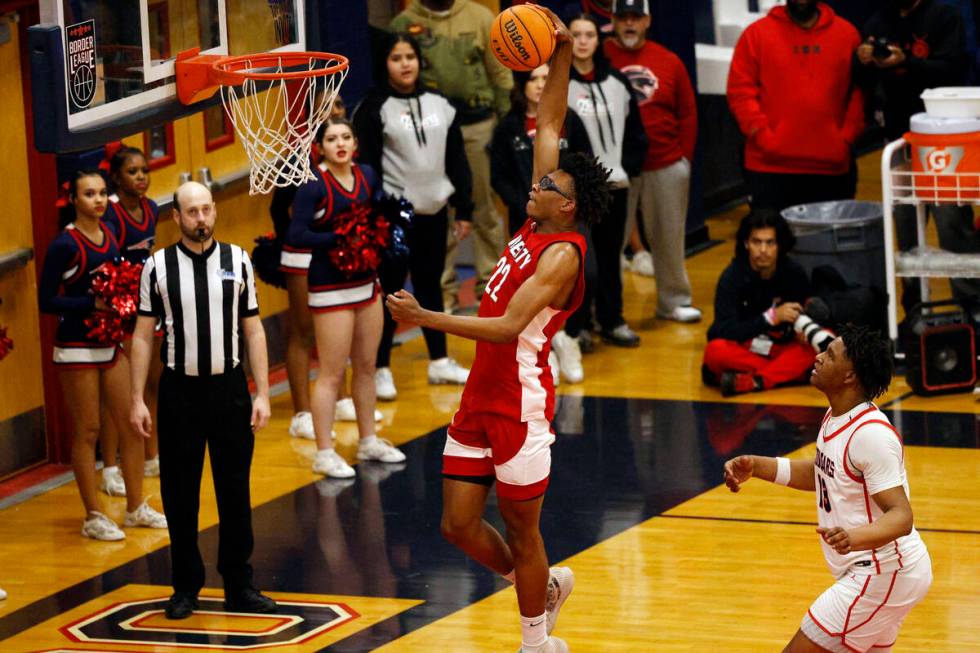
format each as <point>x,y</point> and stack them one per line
<point>294,259</point>
<point>318,206</point>
<point>71,261</point>
<point>135,238</point>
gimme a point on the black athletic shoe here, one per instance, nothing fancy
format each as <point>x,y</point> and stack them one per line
<point>250,600</point>
<point>181,605</point>
<point>621,336</point>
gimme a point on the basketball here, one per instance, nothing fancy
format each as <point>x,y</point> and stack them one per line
<point>522,37</point>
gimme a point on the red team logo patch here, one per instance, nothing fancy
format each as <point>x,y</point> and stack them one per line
<point>645,84</point>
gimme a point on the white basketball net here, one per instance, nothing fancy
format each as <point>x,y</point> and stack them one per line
<point>277,122</point>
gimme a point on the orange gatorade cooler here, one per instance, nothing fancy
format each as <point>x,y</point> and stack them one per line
<point>947,150</point>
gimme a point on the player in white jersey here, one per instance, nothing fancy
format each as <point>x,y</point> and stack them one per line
<point>881,565</point>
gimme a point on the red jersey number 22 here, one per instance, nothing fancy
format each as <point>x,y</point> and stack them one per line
<point>503,269</point>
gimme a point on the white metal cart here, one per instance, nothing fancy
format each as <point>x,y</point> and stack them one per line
<point>900,185</point>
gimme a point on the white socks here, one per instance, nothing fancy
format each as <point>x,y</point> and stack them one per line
<point>534,633</point>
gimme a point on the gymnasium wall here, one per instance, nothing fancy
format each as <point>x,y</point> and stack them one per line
<point>21,389</point>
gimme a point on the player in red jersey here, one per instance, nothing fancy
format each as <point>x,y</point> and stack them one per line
<point>502,430</point>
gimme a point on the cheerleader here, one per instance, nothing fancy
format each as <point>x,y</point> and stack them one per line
<point>89,371</point>
<point>294,263</point>
<point>132,218</point>
<point>347,316</point>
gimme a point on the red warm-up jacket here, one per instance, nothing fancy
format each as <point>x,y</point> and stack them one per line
<point>665,97</point>
<point>791,92</point>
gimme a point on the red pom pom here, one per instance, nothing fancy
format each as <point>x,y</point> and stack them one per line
<point>362,234</point>
<point>118,285</point>
<point>6,344</point>
<point>105,327</point>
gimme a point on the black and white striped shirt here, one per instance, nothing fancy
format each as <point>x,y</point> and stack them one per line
<point>201,298</point>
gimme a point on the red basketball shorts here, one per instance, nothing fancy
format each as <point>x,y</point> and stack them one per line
<point>517,454</point>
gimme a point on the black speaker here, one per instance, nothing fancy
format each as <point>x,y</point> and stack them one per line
<point>940,349</point>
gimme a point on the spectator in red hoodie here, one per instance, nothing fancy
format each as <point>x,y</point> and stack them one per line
<point>791,92</point>
<point>669,114</point>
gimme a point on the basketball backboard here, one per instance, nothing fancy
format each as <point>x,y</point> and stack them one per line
<point>102,69</point>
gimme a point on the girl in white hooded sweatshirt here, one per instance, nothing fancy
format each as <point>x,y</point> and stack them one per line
<point>411,137</point>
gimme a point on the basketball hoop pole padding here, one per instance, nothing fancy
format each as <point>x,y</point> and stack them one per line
<point>195,77</point>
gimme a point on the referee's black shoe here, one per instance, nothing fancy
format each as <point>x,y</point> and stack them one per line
<point>250,600</point>
<point>181,605</point>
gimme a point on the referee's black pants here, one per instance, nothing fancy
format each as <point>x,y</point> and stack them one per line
<point>212,411</point>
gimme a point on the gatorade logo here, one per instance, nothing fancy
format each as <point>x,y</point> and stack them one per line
<point>516,39</point>
<point>940,160</point>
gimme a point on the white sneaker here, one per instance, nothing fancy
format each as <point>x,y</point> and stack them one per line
<point>331,487</point>
<point>555,367</point>
<point>642,264</point>
<point>301,426</point>
<point>345,411</point>
<point>151,467</point>
<point>561,580</point>
<point>569,357</point>
<point>112,482</point>
<point>100,527</point>
<point>553,645</point>
<point>3,594</point>
<point>145,516</point>
<point>384,384</point>
<point>374,448</point>
<point>329,463</point>
<point>446,370</point>
<point>377,472</point>
<point>682,314</point>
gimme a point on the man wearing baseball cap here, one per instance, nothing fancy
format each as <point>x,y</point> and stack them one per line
<point>669,113</point>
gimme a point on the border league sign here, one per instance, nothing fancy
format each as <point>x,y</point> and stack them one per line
<point>80,53</point>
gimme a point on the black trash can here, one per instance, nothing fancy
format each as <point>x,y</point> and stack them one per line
<point>847,235</point>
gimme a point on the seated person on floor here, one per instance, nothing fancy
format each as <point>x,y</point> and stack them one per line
<point>762,337</point>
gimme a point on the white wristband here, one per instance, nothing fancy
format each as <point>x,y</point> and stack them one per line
<point>783,471</point>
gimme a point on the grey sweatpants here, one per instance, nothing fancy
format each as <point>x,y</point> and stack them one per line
<point>662,196</point>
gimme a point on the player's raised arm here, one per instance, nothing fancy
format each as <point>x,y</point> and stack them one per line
<point>554,102</point>
<point>550,285</point>
<point>797,474</point>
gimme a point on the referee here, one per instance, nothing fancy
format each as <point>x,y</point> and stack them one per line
<point>202,290</point>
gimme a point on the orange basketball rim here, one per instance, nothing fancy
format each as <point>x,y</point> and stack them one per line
<point>276,101</point>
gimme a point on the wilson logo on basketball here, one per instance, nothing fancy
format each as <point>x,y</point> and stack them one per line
<point>522,37</point>
<point>516,39</point>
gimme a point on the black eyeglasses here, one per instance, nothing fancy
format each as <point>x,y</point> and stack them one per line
<point>547,183</point>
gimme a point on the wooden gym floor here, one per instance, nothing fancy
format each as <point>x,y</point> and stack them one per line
<point>666,559</point>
